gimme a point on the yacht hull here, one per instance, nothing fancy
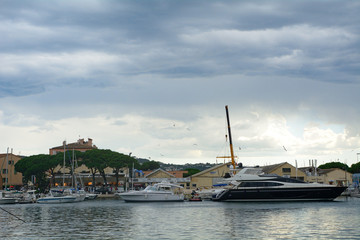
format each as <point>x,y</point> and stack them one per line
<point>151,197</point>
<point>7,201</point>
<point>51,200</point>
<point>326,193</point>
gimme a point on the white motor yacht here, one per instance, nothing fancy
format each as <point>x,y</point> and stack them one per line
<point>159,192</point>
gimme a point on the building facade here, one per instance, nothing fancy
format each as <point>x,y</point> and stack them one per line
<point>8,176</point>
<point>285,170</point>
<point>208,178</point>
<point>159,175</point>
<point>81,145</point>
<point>334,176</point>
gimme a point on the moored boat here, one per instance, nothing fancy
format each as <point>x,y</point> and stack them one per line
<point>159,192</point>
<point>6,200</point>
<point>28,196</point>
<point>250,184</point>
<point>60,196</point>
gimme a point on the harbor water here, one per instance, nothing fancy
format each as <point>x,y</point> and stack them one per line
<point>115,219</point>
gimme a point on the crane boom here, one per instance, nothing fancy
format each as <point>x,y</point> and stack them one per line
<point>230,139</point>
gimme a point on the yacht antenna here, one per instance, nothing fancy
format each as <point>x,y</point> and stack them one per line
<point>230,139</point>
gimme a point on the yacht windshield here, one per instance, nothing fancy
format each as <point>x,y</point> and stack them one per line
<point>150,188</point>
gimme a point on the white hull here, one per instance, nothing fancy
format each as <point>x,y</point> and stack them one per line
<point>151,197</point>
<point>90,196</point>
<point>7,201</point>
<point>50,199</point>
<point>159,192</point>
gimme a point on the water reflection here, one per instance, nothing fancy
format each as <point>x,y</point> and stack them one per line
<point>114,219</point>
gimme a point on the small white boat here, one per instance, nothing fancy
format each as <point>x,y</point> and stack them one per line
<point>61,196</point>
<point>6,200</point>
<point>88,196</point>
<point>28,196</point>
<point>159,192</point>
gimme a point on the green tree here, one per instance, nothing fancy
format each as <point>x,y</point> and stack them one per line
<point>191,171</point>
<point>96,161</point>
<point>39,166</point>
<point>150,165</point>
<point>355,168</point>
<point>334,165</point>
<point>55,160</point>
<point>118,160</point>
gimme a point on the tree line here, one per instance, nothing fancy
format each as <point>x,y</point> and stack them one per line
<point>96,160</point>
<point>354,168</point>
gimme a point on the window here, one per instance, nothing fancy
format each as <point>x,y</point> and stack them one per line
<point>194,185</point>
<point>4,171</point>
<point>259,184</point>
<point>286,170</point>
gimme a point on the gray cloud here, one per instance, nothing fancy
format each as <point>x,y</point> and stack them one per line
<point>179,61</point>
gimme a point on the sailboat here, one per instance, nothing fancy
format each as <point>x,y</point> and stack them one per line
<point>251,184</point>
<point>62,195</point>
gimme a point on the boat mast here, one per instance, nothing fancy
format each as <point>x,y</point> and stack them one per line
<point>230,139</point>
<point>64,143</point>
<point>7,168</point>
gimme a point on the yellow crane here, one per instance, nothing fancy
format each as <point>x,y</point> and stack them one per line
<point>232,156</point>
<point>230,139</point>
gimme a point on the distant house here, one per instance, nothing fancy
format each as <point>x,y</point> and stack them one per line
<point>334,176</point>
<point>284,169</point>
<point>159,175</point>
<point>81,145</point>
<point>209,177</point>
<point>310,174</point>
<point>8,176</point>
<point>176,174</point>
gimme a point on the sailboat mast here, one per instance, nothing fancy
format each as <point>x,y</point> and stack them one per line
<point>230,139</point>
<point>64,143</point>
<point>7,168</point>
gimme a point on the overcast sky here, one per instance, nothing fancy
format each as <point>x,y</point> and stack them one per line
<point>153,78</point>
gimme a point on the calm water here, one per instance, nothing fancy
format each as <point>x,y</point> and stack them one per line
<point>115,219</point>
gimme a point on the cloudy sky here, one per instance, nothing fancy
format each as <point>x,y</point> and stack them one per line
<point>153,78</point>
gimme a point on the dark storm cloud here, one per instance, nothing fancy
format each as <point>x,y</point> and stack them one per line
<point>179,60</point>
<point>190,38</point>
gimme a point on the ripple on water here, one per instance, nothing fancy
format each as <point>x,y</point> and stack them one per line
<point>114,219</point>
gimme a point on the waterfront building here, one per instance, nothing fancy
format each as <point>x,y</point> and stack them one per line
<point>334,176</point>
<point>209,177</point>
<point>81,145</point>
<point>159,175</point>
<point>81,171</point>
<point>8,176</point>
<point>284,169</point>
<point>158,172</point>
